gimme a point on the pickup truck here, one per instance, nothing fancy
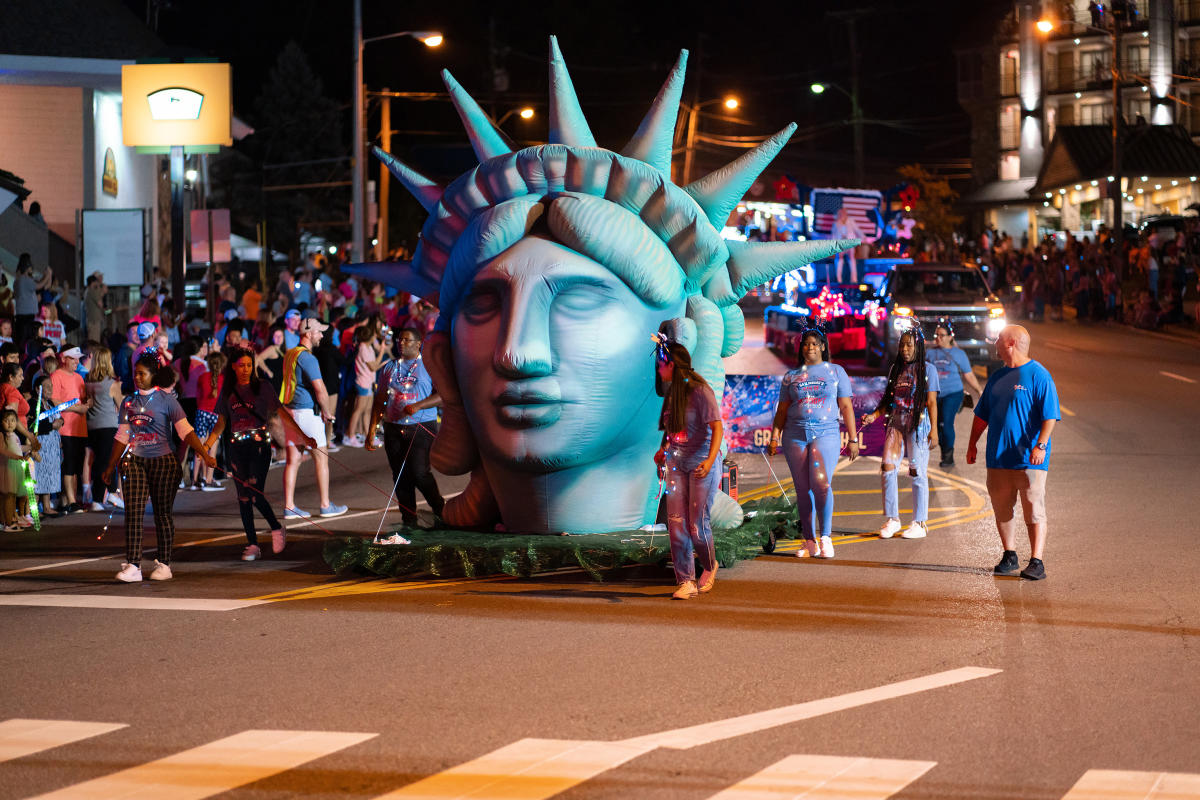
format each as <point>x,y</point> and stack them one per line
<point>927,293</point>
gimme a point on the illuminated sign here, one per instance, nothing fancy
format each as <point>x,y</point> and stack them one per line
<point>176,104</point>
<point>108,181</point>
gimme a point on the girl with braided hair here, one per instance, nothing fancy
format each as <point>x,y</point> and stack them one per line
<point>910,403</point>
<point>150,470</point>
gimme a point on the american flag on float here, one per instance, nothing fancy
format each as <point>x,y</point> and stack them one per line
<point>827,202</point>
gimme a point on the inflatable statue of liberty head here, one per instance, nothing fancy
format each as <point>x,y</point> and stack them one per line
<point>552,267</point>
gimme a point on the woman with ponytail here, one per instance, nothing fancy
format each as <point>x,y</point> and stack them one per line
<point>910,403</point>
<point>692,436</point>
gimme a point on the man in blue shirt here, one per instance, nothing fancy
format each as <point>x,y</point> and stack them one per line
<point>306,398</point>
<point>407,403</point>
<point>1019,407</point>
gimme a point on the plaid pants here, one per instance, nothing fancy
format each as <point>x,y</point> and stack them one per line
<point>156,479</point>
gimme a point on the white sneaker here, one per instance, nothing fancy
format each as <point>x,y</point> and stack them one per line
<point>686,591</point>
<point>96,507</point>
<point>810,549</point>
<point>826,547</point>
<point>162,572</point>
<point>212,487</point>
<point>889,529</point>
<point>355,442</point>
<point>115,501</point>
<point>914,531</point>
<point>130,573</point>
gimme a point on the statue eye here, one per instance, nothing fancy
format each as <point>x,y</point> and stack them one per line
<point>583,297</point>
<point>481,304</point>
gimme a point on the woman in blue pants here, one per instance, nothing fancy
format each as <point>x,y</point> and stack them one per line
<point>954,370</point>
<point>811,399</point>
<point>692,435</point>
<point>910,403</point>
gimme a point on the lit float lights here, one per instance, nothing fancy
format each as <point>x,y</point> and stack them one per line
<point>829,305</point>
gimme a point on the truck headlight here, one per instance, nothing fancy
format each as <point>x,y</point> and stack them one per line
<point>994,326</point>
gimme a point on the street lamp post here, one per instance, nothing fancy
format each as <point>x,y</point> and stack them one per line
<point>358,154</point>
<point>693,110</point>
<point>856,121</point>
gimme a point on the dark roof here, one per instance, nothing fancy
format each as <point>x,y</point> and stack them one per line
<point>1081,153</point>
<point>75,29</point>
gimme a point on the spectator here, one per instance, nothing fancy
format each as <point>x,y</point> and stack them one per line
<point>48,477</point>
<point>208,389</point>
<point>252,300</point>
<point>93,306</point>
<point>291,327</point>
<point>11,378</point>
<point>104,397</point>
<point>367,361</point>
<point>123,360</point>
<point>67,385</point>
<point>25,296</point>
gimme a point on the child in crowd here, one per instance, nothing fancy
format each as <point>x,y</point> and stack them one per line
<point>12,473</point>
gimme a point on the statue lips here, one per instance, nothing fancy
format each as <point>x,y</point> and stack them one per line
<point>529,404</point>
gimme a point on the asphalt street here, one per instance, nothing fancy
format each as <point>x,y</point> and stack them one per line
<point>899,668</point>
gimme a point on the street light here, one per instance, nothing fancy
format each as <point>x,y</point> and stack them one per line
<point>358,152</point>
<point>730,102</point>
<point>1117,192</point>
<point>856,120</point>
<point>523,113</point>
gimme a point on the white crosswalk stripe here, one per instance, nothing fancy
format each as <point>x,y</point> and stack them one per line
<point>1111,784</point>
<point>212,768</point>
<point>24,737</point>
<point>827,778</point>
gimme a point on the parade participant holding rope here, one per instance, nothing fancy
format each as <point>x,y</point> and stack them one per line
<point>692,435</point>
<point>806,424</point>
<point>304,394</point>
<point>954,370</point>
<point>247,403</point>
<point>151,471</point>
<point>407,403</point>
<point>910,401</point>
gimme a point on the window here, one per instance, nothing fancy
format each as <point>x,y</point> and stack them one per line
<point>1010,128</point>
<point>1094,114</point>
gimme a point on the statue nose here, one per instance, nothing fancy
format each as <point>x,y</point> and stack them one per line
<point>523,349</point>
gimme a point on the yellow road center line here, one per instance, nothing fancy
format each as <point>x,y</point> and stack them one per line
<point>1066,410</point>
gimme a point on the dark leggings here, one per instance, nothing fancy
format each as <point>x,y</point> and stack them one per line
<point>948,406</point>
<point>408,445</point>
<point>100,441</point>
<point>249,461</point>
<point>158,480</point>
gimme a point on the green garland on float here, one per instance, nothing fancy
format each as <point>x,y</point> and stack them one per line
<point>447,553</point>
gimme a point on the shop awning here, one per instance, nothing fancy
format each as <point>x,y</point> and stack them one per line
<point>999,193</point>
<point>1083,153</point>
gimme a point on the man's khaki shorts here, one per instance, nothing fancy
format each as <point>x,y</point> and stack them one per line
<point>1006,485</point>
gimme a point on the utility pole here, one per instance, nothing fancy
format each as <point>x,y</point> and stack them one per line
<point>850,17</point>
<point>385,139</point>
<point>1118,193</point>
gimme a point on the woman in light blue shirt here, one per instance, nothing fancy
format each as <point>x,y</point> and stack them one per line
<point>954,369</point>
<point>811,400</point>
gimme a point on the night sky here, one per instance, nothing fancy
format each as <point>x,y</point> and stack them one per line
<point>619,54</point>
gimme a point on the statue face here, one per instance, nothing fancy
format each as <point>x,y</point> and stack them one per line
<point>556,350</point>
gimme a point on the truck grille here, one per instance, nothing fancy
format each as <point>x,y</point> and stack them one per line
<point>967,327</point>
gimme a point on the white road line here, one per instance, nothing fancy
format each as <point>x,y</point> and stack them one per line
<point>1057,346</point>
<point>531,769</point>
<point>213,768</point>
<point>23,737</point>
<point>125,602</point>
<point>116,555</point>
<point>1109,784</point>
<point>828,778</point>
<point>706,733</point>
<point>1177,377</point>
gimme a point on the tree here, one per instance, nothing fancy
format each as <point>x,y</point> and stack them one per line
<point>294,124</point>
<point>932,211</point>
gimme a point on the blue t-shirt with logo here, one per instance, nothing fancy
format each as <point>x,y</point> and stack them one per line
<point>406,382</point>
<point>812,394</point>
<point>149,419</point>
<point>1015,403</point>
<point>307,371</point>
<point>951,363</point>
<point>689,447</point>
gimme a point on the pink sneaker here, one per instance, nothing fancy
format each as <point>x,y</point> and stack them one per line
<point>251,553</point>
<point>278,540</point>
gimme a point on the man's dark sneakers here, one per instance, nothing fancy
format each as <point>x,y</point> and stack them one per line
<point>1035,570</point>
<point>1009,564</point>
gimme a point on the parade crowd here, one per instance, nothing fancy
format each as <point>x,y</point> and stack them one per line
<point>113,406</point>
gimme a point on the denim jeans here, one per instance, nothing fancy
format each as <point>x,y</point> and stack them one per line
<point>811,465</point>
<point>689,503</point>
<point>916,446</point>
<point>948,406</point>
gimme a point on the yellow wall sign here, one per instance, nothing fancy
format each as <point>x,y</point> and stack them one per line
<point>176,104</point>
<point>108,181</point>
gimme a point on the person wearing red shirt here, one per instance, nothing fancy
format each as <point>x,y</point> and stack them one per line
<point>208,390</point>
<point>67,385</point>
